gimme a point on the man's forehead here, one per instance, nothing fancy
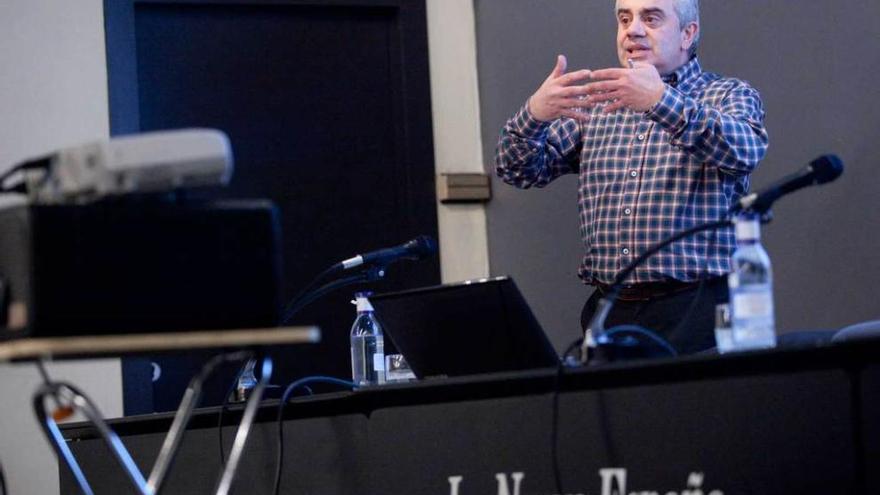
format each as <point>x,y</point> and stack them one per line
<point>635,6</point>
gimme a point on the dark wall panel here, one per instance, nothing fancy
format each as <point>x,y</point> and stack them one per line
<point>823,243</point>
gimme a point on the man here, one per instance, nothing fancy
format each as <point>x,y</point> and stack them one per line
<point>660,146</point>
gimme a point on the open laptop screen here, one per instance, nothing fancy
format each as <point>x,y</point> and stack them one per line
<point>464,329</point>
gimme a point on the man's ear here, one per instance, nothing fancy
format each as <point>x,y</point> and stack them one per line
<point>688,35</point>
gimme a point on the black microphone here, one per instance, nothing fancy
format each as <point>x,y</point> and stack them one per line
<point>824,169</point>
<point>416,249</point>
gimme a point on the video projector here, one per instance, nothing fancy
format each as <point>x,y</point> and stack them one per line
<point>83,256</point>
<point>139,163</point>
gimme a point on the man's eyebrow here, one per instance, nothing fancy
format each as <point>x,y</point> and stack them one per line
<point>646,11</point>
<point>653,10</point>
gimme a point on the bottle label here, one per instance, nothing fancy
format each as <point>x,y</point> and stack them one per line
<point>752,304</point>
<point>378,362</point>
<point>733,280</point>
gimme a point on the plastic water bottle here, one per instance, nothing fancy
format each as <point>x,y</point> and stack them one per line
<point>751,289</point>
<point>723,330</point>
<point>367,345</point>
<point>246,382</point>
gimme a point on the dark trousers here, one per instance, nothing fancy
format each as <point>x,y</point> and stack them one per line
<point>685,319</point>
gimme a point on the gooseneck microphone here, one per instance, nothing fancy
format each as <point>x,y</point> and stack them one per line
<point>419,248</point>
<point>822,170</point>
<point>376,262</point>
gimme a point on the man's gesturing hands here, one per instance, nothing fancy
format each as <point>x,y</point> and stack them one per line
<point>560,95</point>
<point>563,94</point>
<point>637,89</point>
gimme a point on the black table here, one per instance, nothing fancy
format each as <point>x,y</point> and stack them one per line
<point>777,422</point>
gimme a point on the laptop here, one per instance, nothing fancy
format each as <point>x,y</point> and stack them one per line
<point>467,328</point>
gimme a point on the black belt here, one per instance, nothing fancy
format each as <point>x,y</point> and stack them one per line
<point>650,290</point>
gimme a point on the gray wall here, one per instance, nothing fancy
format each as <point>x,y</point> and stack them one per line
<point>53,92</point>
<point>815,63</point>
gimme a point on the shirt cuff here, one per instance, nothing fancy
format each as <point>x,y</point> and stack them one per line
<point>669,112</point>
<point>527,126</point>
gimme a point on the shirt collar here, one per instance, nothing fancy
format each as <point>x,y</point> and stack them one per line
<point>685,74</point>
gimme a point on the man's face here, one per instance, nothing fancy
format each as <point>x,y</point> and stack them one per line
<point>649,31</point>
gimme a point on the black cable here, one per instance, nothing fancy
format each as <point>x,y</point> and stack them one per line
<point>43,373</point>
<point>39,163</point>
<point>598,319</point>
<point>9,173</point>
<point>576,345</point>
<point>700,289</point>
<point>612,295</point>
<point>554,431</point>
<point>372,274</point>
<point>621,277</point>
<point>308,298</point>
<point>611,332</point>
<point>304,298</point>
<point>47,381</point>
<point>291,307</point>
<point>288,392</point>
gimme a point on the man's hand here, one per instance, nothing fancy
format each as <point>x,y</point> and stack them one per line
<point>560,95</point>
<point>638,89</point>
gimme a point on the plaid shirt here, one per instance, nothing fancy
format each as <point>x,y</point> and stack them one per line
<point>646,176</point>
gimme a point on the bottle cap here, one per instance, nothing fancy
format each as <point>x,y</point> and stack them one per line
<point>748,228</point>
<point>362,301</point>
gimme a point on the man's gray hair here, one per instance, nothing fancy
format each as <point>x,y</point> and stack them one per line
<point>688,11</point>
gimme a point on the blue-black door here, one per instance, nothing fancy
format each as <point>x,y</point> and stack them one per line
<point>327,106</point>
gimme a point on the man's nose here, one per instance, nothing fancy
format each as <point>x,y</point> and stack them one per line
<point>635,28</point>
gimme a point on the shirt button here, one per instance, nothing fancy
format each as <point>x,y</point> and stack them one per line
<point>625,251</point>
<point>633,174</point>
<point>641,137</point>
<point>627,211</point>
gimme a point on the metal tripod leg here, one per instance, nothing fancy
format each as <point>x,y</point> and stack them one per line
<point>76,400</point>
<point>66,393</point>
